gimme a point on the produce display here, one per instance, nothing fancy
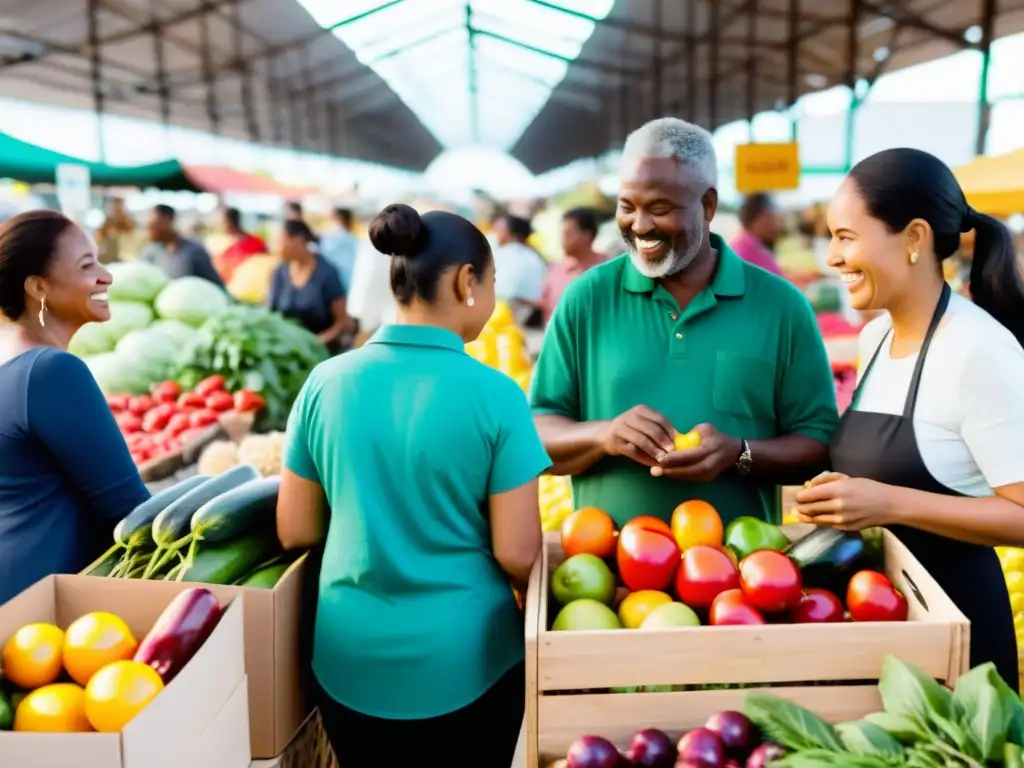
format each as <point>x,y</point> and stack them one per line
<point>260,451</point>
<point>1012,560</point>
<point>160,423</point>
<point>924,725</point>
<point>95,675</point>
<point>695,572</point>
<point>211,530</point>
<point>555,501</point>
<point>502,345</point>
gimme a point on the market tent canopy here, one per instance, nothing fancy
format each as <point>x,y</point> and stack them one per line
<point>995,184</point>
<point>221,179</point>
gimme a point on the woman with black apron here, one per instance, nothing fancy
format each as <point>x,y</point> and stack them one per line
<point>930,447</point>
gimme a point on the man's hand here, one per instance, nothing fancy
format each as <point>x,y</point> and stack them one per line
<point>715,454</point>
<point>640,434</point>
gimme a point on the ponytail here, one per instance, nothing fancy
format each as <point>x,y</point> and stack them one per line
<point>997,285</point>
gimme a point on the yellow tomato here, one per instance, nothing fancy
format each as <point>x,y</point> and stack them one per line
<point>95,640</point>
<point>57,708</point>
<point>637,605</point>
<point>689,440</point>
<point>31,657</point>
<point>118,692</point>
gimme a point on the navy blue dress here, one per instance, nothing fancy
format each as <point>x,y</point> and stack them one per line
<point>66,477</point>
<point>310,305</point>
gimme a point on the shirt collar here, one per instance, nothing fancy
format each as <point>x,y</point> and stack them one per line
<point>729,279</point>
<point>418,336</point>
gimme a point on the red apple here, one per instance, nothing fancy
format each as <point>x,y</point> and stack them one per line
<point>817,606</point>
<point>705,573</point>
<point>870,596</point>
<point>771,581</point>
<point>647,556</point>
<point>732,608</point>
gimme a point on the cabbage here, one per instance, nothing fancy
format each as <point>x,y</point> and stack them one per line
<point>136,281</point>
<point>150,351</point>
<point>127,316</point>
<point>115,375</point>
<point>92,339</point>
<point>191,300</point>
<point>182,335</point>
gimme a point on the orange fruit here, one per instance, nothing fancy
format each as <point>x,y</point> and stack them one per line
<point>31,657</point>
<point>637,605</point>
<point>57,708</point>
<point>93,641</point>
<point>588,531</point>
<point>651,523</point>
<point>689,440</point>
<point>118,692</point>
<point>696,523</point>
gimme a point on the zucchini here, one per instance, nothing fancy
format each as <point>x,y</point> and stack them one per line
<point>265,577</point>
<point>228,562</point>
<point>251,506</point>
<point>175,520</point>
<point>135,530</point>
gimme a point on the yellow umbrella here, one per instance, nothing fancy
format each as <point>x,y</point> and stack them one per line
<point>994,184</point>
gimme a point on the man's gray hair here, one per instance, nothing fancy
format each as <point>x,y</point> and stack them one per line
<point>690,144</point>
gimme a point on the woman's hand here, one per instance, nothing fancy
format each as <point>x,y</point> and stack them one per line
<point>850,504</point>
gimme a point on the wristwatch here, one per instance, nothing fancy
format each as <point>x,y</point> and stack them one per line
<point>745,462</point>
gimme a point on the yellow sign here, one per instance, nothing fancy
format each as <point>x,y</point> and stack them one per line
<point>767,167</point>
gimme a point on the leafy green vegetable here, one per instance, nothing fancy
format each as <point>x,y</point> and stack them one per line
<point>790,725</point>
<point>92,339</point>
<point>863,737</point>
<point>899,727</point>
<point>116,374</point>
<point>1013,756</point>
<point>907,691</point>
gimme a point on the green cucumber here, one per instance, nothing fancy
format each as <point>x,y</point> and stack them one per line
<point>251,506</point>
<point>266,575</point>
<point>135,530</point>
<point>227,563</point>
<point>104,564</point>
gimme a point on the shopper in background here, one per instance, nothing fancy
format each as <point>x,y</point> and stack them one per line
<point>681,334</point>
<point>761,223</point>
<point>305,287</point>
<point>428,462</point>
<point>118,224</point>
<point>293,211</point>
<point>579,229</point>
<point>66,477</point>
<point>931,446</point>
<point>177,256</point>
<point>243,246</point>
<point>518,269</point>
<point>339,245</point>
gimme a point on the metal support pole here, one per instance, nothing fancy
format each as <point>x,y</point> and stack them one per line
<point>852,54</point>
<point>311,96</point>
<point>623,90</point>
<point>751,95</point>
<point>657,65</point>
<point>472,74</point>
<point>714,33</point>
<point>160,55</point>
<point>989,10</point>
<point>96,75</point>
<point>691,59</point>
<point>274,102</point>
<point>206,52</point>
<point>793,64</point>
<point>294,118</point>
<point>244,72</point>
<point>332,129</point>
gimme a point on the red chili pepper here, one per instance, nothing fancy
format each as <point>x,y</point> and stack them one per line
<point>203,418</point>
<point>191,400</point>
<point>209,385</point>
<point>220,401</point>
<point>247,401</point>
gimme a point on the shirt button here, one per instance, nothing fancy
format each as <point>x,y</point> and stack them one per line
<point>674,316</point>
<point>679,335</point>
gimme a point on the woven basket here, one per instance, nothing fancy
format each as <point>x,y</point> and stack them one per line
<point>309,749</point>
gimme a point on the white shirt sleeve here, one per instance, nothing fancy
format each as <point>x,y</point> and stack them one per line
<point>992,392</point>
<point>369,297</point>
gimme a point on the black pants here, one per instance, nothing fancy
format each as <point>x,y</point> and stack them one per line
<point>481,735</point>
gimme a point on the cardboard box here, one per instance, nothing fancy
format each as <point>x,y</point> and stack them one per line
<point>569,674</point>
<point>195,720</point>
<point>276,706</point>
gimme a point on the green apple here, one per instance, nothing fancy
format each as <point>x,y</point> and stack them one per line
<point>583,577</point>
<point>585,614</point>
<point>747,535</point>
<point>671,615</point>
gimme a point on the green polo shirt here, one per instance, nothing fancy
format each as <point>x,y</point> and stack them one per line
<point>409,437</point>
<point>746,356</point>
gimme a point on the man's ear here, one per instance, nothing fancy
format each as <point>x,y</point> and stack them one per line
<point>710,203</point>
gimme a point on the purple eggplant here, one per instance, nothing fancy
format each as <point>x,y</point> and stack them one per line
<point>180,631</point>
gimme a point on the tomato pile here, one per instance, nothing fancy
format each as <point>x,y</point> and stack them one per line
<point>160,423</point>
<point>695,571</point>
<point>845,376</point>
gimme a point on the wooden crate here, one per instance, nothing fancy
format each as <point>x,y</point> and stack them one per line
<point>568,673</point>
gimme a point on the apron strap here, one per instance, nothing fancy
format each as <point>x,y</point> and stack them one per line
<point>915,381</point>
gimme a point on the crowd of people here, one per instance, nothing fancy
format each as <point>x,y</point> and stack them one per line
<point>412,470</point>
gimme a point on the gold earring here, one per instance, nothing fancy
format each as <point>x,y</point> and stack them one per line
<point>470,301</point>
<point>42,312</point>
<point>913,258</point>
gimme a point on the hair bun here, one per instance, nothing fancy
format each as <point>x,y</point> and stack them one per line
<point>397,231</point>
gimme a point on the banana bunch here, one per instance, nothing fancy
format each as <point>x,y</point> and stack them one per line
<point>555,501</point>
<point>502,345</point>
<point>1012,560</point>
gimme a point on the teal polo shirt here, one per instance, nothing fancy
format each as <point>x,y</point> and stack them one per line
<point>746,356</point>
<point>409,437</point>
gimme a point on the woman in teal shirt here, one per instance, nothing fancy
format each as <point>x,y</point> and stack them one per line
<point>428,462</point>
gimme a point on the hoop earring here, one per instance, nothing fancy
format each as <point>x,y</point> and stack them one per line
<point>470,301</point>
<point>42,312</point>
<point>913,258</point>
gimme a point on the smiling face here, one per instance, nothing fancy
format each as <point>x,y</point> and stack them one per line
<point>76,283</point>
<point>873,261</point>
<point>663,213</point>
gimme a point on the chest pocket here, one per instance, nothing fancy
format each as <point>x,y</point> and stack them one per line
<point>744,387</point>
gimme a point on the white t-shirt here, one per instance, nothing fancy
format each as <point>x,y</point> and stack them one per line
<point>369,297</point>
<point>518,272</point>
<point>969,417</point>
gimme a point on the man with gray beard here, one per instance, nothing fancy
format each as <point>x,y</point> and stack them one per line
<point>680,335</point>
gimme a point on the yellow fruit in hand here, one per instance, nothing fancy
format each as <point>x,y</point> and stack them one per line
<point>118,692</point>
<point>689,440</point>
<point>31,657</point>
<point>58,708</point>
<point>637,605</point>
<point>95,640</point>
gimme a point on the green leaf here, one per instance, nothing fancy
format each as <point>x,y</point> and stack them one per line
<point>904,729</point>
<point>789,724</point>
<point>907,691</point>
<point>956,735</point>
<point>1013,711</point>
<point>824,758</point>
<point>1013,756</point>
<point>981,710</point>
<point>862,737</point>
